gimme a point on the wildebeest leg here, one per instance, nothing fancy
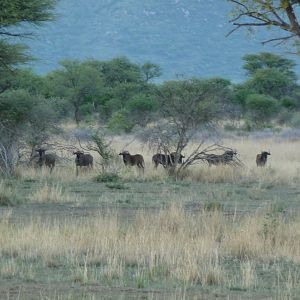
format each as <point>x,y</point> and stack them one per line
<point>77,170</point>
<point>140,166</point>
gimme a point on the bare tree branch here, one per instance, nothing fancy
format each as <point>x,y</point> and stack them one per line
<point>266,13</point>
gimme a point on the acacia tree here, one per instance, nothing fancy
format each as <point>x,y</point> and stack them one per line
<point>25,120</point>
<point>270,74</point>
<point>281,14</point>
<point>14,14</point>
<point>267,60</point>
<point>150,71</point>
<point>270,87</point>
<point>187,107</point>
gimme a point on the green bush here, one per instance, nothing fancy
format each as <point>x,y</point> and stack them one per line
<point>8,194</point>
<point>142,103</point>
<point>213,206</point>
<point>261,108</point>
<point>116,185</point>
<point>120,122</point>
<point>295,120</point>
<point>288,103</point>
<point>108,177</point>
<point>271,82</point>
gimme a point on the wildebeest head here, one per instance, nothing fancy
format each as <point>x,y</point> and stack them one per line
<point>46,159</point>
<point>265,153</point>
<point>41,151</point>
<point>230,152</point>
<point>261,158</point>
<point>179,157</point>
<point>167,160</point>
<point>78,154</point>
<point>126,156</point>
<point>125,152</point>
<point>221,159</point>
<point>83,160</point>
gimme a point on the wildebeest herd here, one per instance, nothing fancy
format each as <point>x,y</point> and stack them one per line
<point>166,160</point>
<point>222,159</point>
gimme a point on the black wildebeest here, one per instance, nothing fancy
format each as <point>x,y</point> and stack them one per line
<point>83,160</point>
<point>133,160</point>
<point>166,160</point>
<point>221,159</point>
<point>46,159</point>
<point>261,159</point>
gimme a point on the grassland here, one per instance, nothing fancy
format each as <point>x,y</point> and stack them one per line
<point>219,232</point>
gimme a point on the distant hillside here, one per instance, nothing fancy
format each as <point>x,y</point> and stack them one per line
<point>186,37</point>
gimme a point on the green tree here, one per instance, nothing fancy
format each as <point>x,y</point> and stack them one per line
<point>187,107</point>
<point>119,122</point>
<point>190,103</point>
<point>26,120</point>
<point>266,60</point>
<point>271,82</point>
<point>14,14</point>
<point>119,71</point>
<point>142,108</point>
<point>269,74</point>
<point>77,82</point>
<point>122,80</point>
<point>261,108</point>
<point>150,71</point>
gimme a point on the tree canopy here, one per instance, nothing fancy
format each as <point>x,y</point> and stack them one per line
<point>14,14</point>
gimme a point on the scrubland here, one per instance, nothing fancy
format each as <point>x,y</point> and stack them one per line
<point>223,232</point>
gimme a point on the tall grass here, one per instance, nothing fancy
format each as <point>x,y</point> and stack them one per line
<point>172,244</point>
<point>283,166</point>
<point>51,193</point>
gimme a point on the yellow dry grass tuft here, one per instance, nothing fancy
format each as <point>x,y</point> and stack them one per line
<point>51,193</point>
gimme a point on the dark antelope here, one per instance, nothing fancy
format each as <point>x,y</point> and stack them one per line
<point>133,160</point>
<point>261,159</point>
<point>83,160</point>
<point>45,159</point>
<point>166,160</point>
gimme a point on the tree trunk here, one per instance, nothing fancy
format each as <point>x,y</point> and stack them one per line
<point>77,115</point>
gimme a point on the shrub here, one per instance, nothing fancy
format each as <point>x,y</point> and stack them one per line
<point>8,195</point>
<point>119,122</point>
<point>108,177</point>
<point>288,103</point>
<point>261,107</point>
<point>295,120</point>
<point>213,206</point>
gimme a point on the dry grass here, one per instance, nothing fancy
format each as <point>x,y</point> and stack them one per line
<point>283,165</point>
<point>187,248</point>
<point>52,193</point>
<point>255,251</point>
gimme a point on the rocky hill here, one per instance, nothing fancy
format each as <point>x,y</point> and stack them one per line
<point>186,37</point>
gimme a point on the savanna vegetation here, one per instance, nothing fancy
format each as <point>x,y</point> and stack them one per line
<point>182,231</point>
